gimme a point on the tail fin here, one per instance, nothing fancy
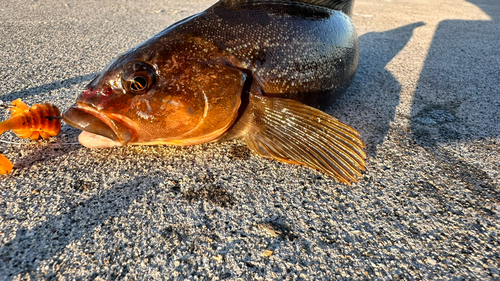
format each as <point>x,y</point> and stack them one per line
<point>339,5</point>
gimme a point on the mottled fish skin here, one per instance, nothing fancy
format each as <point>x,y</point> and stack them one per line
<point>293,50</point>
<point>252,69</point>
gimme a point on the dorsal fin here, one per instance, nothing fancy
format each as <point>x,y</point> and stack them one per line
<point>339,5</point>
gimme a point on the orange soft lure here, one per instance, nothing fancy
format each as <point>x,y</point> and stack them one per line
<point>5,165</point>
<point>40,120</point>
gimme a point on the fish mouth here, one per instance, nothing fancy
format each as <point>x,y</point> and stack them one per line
<point>99,130</point>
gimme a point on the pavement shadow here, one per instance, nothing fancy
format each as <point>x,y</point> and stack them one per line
<point>369,105</point>
<point>47,87</point>
<point>47,240</point>
<point>43,153</point>
<point>457,96</point>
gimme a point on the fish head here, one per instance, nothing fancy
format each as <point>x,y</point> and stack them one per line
<point>178,91</point>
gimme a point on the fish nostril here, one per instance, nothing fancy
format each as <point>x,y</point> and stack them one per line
<point>92,93</point>
<point>105,92</point>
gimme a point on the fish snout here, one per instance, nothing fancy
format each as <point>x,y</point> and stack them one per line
<point>95,96</point>
<point>91,121</point>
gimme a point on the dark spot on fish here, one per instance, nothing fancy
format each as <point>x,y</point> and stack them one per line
<point>259,57</point>
<point>190,110</point>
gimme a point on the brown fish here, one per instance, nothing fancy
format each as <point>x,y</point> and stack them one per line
<point>252,69</point>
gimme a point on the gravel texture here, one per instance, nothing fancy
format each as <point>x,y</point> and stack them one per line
<point>426,101</point>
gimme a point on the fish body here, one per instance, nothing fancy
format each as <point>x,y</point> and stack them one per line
<point>256,70</point>
<point>293,50</point>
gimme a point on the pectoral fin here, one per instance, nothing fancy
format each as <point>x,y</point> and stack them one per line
<point>292,132</point>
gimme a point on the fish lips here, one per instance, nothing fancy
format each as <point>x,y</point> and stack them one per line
<point>90,120</point>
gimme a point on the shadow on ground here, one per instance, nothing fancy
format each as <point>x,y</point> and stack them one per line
<point>457,97</point>
<point>47,87</point>
<point>47,240</point>
<point>369,105</point>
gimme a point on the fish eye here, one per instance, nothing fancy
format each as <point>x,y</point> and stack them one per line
<point>138,78</point>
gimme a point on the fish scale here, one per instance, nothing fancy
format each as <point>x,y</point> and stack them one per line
<point>297,48</point>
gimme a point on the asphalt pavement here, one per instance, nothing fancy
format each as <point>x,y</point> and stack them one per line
<point>426,100</point>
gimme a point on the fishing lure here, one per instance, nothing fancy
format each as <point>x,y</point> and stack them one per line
<point>5,165</point>
<point>40,120</point>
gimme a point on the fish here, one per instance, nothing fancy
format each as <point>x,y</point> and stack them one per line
<point>39,120</point>
<point>258,70</point>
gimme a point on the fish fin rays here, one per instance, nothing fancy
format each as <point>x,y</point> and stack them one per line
<point>291,132</point>
<point>339,5</point>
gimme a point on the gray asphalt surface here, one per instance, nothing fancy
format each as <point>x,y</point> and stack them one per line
<point>426,100</point>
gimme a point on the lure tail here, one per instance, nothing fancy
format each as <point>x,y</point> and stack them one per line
<point>5,165</point>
